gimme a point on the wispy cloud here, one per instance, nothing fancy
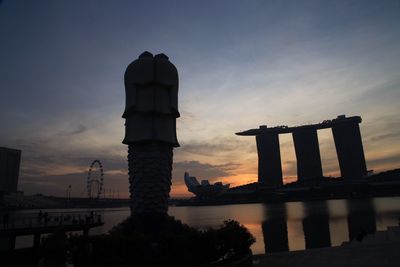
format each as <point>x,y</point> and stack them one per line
<point>263,62</point>
<point>79,129</point>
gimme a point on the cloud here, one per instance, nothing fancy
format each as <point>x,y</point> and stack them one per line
<point>56,185</point>
<point>203,171</point>
<point>290,168</point>
<point>78,129</point>
<point>387,160</point>
<point>384,137</point>
<point>283,64</point>
<point>217,145</point>
<point>66,164</point>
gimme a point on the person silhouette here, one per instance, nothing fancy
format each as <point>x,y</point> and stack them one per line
<point>361,234</point>
<point>6,220</point>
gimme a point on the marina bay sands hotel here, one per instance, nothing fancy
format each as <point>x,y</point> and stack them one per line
<point>348,143</point>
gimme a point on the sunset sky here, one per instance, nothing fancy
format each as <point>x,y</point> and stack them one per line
<point>241,64</point>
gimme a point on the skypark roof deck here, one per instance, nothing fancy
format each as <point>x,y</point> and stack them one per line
<point>285,129</point>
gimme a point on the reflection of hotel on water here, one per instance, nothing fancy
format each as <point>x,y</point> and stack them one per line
<point>315,224</point>
<point>274,228</point>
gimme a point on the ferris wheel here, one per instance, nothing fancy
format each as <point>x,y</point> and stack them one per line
<point>96,182</point>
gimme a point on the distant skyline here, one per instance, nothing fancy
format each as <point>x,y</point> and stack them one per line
<point>241,64</point>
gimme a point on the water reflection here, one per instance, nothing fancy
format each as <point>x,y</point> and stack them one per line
<point>355,218</point>
<point>361,218</point>
<point>282,227</point>
<point>316,225</point>
<point>274,228</point>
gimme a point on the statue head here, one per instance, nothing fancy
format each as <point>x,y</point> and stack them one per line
<point>151,87</point>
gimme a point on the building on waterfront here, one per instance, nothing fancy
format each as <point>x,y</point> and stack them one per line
<point>9,169</point>
<point>204,189</point>
<point>348,143</point>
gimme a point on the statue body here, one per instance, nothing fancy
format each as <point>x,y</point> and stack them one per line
<point>151,86</point>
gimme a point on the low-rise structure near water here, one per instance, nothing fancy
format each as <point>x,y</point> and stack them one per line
<point>204,189</point>
<point>9,169</point>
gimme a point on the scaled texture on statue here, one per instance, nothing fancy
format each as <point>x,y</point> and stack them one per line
<point>151,86</point>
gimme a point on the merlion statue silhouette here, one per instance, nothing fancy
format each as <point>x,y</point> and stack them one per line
<point>151,86</point>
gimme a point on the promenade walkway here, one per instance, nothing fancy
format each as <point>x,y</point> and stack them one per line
<point>44,223</point>
<point>381,249</point>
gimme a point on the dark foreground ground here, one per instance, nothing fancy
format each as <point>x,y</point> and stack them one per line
<point>381,249</point>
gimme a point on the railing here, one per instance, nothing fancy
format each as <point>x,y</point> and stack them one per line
<point>44,219</point>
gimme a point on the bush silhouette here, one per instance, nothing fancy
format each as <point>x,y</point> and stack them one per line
<point>135,243</point>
